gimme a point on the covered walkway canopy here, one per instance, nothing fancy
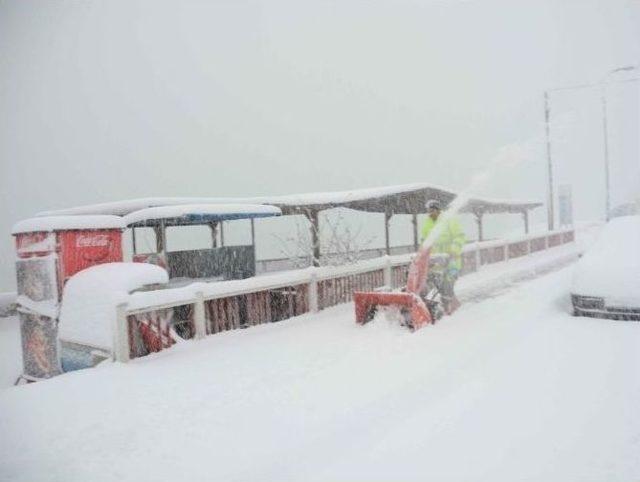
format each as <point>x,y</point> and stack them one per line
<point>402,199</point>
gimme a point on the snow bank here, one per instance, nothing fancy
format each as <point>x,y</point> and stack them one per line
<point>212,210</point>
<point>610,269</point>
<point>91,296</point>
<point>58,223</point>
<point>495,277</point>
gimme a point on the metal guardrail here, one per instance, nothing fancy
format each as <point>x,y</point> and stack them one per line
<point>216,306</point>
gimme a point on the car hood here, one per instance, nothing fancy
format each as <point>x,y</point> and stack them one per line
<point>611,268</point>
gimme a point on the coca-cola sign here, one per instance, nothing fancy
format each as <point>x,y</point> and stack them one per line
<point>92,240</point>
<point>35,244</point>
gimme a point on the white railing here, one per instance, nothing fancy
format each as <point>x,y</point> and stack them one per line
<point>218,306</point>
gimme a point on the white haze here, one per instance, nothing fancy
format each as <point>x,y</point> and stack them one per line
<point>109,100</point>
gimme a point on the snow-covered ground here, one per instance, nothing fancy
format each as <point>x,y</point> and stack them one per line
<point>508,388</point>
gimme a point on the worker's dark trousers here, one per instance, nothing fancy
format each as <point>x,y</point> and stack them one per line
<point>447,292</point>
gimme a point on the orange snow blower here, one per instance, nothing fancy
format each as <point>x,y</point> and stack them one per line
<point>418,306</point>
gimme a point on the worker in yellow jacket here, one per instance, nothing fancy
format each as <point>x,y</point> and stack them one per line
<point>450,241</point>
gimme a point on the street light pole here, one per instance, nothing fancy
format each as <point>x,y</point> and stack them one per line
<point>607,172</point>
<point>550,208</point>
<point>603,95</point>
<point>607,183</point>
<point>550,204</point>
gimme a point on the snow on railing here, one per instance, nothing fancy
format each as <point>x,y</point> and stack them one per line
<point>225,305</point>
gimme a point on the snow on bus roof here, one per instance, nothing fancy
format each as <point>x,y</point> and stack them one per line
<point>182,215</point>
<point>61,223</point>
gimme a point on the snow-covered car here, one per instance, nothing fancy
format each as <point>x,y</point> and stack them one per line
<point>627,209</point>
<point>606,281</point>
<point>89,305</point>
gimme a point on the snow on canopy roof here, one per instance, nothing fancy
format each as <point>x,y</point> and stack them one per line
<point>62,223</point>
<point>355,195</point>
<point>398,199</point>
<point>121,208</point>
<point>188,214</point>
<point>494,206</point>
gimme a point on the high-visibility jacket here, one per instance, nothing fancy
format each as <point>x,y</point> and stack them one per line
<point>450,241</point>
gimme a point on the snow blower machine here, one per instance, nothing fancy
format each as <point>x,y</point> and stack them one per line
<point>418,303</point>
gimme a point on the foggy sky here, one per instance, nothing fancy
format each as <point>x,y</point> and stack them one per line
<point>102,101</point>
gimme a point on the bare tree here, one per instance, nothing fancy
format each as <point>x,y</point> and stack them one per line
<point>340,245</point>
<point>344,245</point>
<point>297,246</point>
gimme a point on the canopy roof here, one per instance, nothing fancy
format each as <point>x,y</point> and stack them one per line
<point>191,214</point>
<point>401,199</point>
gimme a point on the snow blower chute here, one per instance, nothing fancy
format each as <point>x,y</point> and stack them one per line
<point>415,311</point>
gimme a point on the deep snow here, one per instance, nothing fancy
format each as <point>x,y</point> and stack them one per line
<point>509,388</point>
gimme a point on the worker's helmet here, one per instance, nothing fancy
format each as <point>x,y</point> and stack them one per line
<point>433,204</point>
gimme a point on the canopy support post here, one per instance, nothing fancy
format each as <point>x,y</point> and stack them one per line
<point>387,218</point>
<point>414,220</point>
<point>525,215</point>
<point>314,220</point>
<point>163,237</point>
<point>157,230</point>
<point>479,215</point>
<point>214,234</point>
<point>133,239</point>
<point>221,224</point>
<point>253,232</point>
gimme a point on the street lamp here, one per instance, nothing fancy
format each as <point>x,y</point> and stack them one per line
<point>550,209</point>
<point>603,97</point>
<point>602,84</point>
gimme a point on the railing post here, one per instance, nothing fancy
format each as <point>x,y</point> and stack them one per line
<point>313,293</point>
<point>199,318</point>
<point>387,271</point>
<point>121,335</point>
